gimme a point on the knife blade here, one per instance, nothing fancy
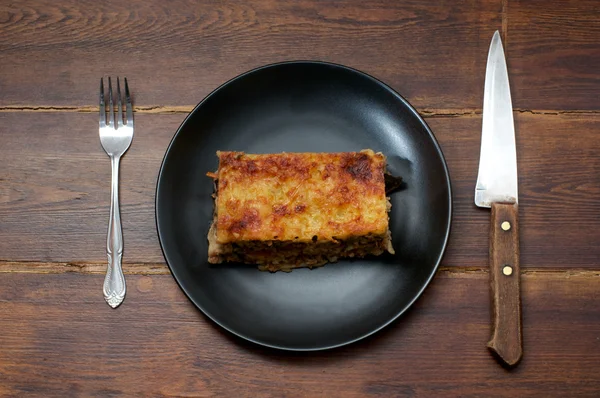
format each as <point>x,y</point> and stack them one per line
<point>497,188</point>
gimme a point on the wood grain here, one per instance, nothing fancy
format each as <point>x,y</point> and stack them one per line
<point>60,339</point>
<point>177,52</point>
<point>54,191</point>
<point>505,284</point>
<point>553,50</point>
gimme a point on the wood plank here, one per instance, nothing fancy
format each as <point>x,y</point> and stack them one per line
<point>175,53</point>
<point>559,183</point>
<point>553,50</point>
<point>54,195</point>
<point>60,339</point>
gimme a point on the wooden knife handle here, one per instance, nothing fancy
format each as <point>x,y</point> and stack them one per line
<point>505,274</point>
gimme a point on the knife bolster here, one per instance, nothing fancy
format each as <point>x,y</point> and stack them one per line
<point>505,273</point>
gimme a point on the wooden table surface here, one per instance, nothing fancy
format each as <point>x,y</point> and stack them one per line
<point>59,338</point>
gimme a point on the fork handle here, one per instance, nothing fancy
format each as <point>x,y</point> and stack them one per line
<point>114,282</point>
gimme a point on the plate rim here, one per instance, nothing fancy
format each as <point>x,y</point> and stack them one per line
<point>439,152</point>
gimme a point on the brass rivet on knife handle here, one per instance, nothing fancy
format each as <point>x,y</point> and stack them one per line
<point>506,341</point>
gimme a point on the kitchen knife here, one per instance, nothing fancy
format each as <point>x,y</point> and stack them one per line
<point>497,189</point>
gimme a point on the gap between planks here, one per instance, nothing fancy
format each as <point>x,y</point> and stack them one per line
<point>504,31</point>
<point>34,267</point>
<point>185,109</point>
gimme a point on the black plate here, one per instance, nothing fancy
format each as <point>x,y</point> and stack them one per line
<point>305,107</point>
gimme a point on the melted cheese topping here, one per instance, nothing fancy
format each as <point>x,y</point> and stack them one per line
<point>300,196</point>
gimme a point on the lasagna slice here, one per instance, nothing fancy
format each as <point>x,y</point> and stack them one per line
<point>290,210</point>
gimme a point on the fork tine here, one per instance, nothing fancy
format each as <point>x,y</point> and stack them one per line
<point>111,109</point>
<point>129,109</point>
<point>119,105</point>
<point>102,109</point>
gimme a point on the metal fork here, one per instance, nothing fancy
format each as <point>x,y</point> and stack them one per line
<point>115,140</point>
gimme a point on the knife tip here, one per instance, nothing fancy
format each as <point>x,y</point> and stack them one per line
<point>497,37</point>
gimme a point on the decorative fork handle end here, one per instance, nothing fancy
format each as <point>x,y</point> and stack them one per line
<point>114,282</point>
